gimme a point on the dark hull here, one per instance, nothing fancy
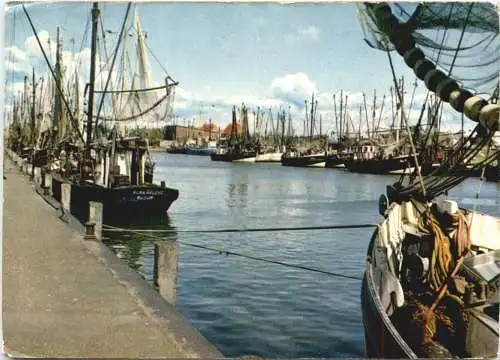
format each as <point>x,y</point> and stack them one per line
<point>177,151</point>
<point>303,161</point>
<point>492,173</point>
<point>228,157</point>
<point>125,204</point>
<point>382,340</point>
<point>200,151</point>
<point>333,161</point>
<point>427,169</point>
<point>380,166</point>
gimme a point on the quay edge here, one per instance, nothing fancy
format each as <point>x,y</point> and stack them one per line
<point>64,296</point>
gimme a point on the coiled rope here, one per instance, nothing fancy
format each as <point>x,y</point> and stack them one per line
<point>447,257</point>
<point>446,251</point>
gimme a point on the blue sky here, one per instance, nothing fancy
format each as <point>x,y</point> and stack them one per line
<point>223,54</point>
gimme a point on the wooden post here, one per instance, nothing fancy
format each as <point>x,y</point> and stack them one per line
<point>95,217</point>
<point>166,269</point>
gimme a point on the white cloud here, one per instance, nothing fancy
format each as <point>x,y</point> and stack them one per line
<point>13,53</point>
<point>32,49</point>
<point>309,33</point>
<point>293,88</point>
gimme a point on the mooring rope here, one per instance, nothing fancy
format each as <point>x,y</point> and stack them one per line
<point>247,256</point>
<point>110,228</point>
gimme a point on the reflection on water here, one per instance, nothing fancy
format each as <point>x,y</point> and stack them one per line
<point>238,189</point>
<point>248,307</point>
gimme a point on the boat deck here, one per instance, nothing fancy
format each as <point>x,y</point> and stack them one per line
<point>64,296</point>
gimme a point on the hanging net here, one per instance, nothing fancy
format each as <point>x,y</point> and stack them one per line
<point>462,37</point>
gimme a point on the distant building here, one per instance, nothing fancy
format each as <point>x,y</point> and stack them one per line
<point>182,134</point>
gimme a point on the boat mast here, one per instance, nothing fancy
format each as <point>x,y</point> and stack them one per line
<point>366,117</point>
<point>57,122</point>
<point>345,127</point>
<point>311,119</point>
<point>402,92</point>
<point>33,120</point>
<point>210,129</point>
<point>336,117</point>
<point>93,48</point>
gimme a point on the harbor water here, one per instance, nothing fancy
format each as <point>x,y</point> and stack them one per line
<point>248,307</point>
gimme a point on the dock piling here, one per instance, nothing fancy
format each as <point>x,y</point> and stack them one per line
<point>166,269</point>
<point>95,217</point>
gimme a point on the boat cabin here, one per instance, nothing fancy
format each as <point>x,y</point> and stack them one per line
<point>123,162</point>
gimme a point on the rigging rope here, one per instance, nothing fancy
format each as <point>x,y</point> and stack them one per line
<point>68,108</point>
<point>132,90</point>
<point>251,257</point>
<point>132,117</point>
<point>414,151</point>
<point>113,61</point>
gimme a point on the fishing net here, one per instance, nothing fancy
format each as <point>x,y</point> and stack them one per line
<point>441,333</point>
<point>461,37</point>
<point>434,320</point>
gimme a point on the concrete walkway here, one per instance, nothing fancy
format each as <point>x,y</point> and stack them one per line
<point>63,296</point>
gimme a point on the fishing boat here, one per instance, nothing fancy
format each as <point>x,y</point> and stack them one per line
<point>432,281</point>
<point>303,160</point>
<point>282,135</point>
<point>403,164</point>
<point>177,150</point>
<point>201,150</point>
<point>269,157</point>
<point>313,154</point>
<point>113,168</point>
<point>237,148</point>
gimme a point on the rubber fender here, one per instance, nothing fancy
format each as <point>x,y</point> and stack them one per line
<point>390,284</point>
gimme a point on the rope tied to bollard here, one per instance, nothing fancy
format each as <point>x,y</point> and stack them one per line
<point>247,256</point>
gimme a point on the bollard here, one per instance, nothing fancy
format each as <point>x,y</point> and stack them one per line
<point>89,231</point>
<point>38,176</point>
<point>33,173</point>
<point>66,197</point>
<point>166,269</point>
<point>47,183</point>
<point>95,216</point>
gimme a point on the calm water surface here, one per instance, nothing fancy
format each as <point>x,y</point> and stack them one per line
<point>249,307</point>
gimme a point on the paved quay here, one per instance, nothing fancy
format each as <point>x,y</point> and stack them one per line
<point>67,297</point>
